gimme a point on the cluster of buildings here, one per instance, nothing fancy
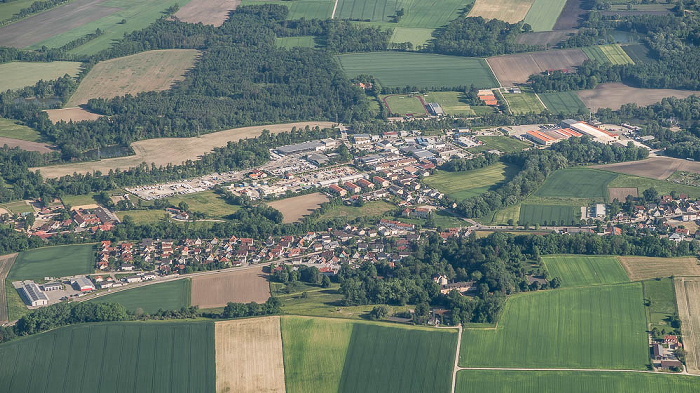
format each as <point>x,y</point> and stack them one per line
<point>663,355</point>
<point>39,295</point>
<point>548,135</point>
<point>677,217</point>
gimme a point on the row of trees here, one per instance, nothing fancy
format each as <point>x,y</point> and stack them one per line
<point>463,164</point>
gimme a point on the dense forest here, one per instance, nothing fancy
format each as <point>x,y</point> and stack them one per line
<point>478,37</point>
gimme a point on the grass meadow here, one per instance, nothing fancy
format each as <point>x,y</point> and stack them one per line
<point>308,9</point>
<point>523,103</point>
<point>415,35</point>
<point>404,105</point>
<point>590,327</point>
<point>207,202</point>
<point>58,261</point>
<point>533,214</point>
<point>544,14</point>
<point>662,302</point>
<point>12,129</point>
<point>462,185</point>
<point>505,144</point>
<point>171,295</point>
<point>511,381</point>
<point>17,207</point>
<point>424,70</point>
<point>9,8</point>
<point>417,14</point>
<point>563,102</point>
<point>452,102</point>
<point>112,357</point>
<point>17,74</point>
<point>662,186</point>
<point>577,183</point>
<point>611,54</point>
<point>585,270</point>
<point>369,209</point>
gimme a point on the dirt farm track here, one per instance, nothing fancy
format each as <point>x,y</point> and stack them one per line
<point>162,151</point>
<point>240,286</point>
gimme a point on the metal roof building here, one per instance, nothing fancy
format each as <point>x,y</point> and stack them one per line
<point>33,295</point>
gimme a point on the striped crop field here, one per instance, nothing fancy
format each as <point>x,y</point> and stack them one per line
<point>563,102</point>
<point>532,214</point>
<point>582,270</point>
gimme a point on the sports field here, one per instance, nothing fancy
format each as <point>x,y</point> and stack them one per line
<point>462,185</point>
<point>512,381</point>
<point>547,214</point>
<point>423,14</point>
<point>563,102</point>
<point>58,261</point>
<point>661,299</point>
<point>147,71</point>
<point>402,105</point>
<point>396,359</point>
<point>584,270</point>
<point>688,300</point>
<point>171,295</point>
<point>112,357</point>
<point>294,42</point>
<point>12,129</point>
<point>523,103</point>
<point>423,70</point>
<point>505,144</point>
<point>577,183</point>
<point>308,9</point>
<point>590,327</point>
<point>511,11</point>
<point>644,268</point>
<point>451,102</point>
<point>544,13</point>
<point>314,353</point>
<point>16,74</point>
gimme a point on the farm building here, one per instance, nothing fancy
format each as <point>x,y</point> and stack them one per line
<point>435,109</point>
<point>547,137</point>
<point>33,295</point>
<point>594,132</point>
<point>83,284</point>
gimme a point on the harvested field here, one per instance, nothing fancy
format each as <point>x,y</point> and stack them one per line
<point>71,114</point>
<point>659,168</point>
<point>511,11</point>
<point>293,209</point>
<point>208,12</point>
<point>239,286</point>
<point>249,356</point>
<point>570,15</point>
<point>621,193</point>
<point>543,38</point>
<point>154,70</point>
<point>512,69</point>
<point>688,299</point>
<point>6,262</point>
<point>26,145</point>
<point>54,22</point>
<point>644,268</point>
<point>614,95</point>
<point>162,151</point>
<point>18,74</point>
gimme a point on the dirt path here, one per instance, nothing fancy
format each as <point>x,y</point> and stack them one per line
<point>334,8</point>
<point>454,372</point>
<point>6,262</point>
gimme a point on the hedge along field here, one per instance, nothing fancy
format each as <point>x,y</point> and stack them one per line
<point>591,327</point>
<point>544,14</point>
<point>171,295</point>
<point>56,261</point>
<point>398,359</point>
<point>314,352</point>
<point>465,184</point>
<point>425,70</point>
<point>112,357</point>
<point>563,102</point>
<point>581,270</point>
<point>573,382</point>
<point>577,183</point>
<point>547,214</point>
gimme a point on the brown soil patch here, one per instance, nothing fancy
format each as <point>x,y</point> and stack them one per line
<point>26,145</point>
<point>163,151</point>
<point>249,356</point>
<point>54,22</point>
<point>293,209</point>
<point>688,301</point>
<point>511,11</point>
<point>147,71</point>
<point>644,268</point>
<point>513,69</point>
<point>6,262</point>
<point>659,168</point>
<point>614,95</point>
<point>621,193</point>
<point>570,15</point>
<point>238,286</point>
<point>71,114</point>
<point>208,12</point>
<point>544,38</point>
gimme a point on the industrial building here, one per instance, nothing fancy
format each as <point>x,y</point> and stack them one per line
<point>435,109</point>
<point>301,148</point>
<point>32,295</point>
<point>548,136</point>
<point>596,133</point>
<point>82,284</point>
<point>51,286</point>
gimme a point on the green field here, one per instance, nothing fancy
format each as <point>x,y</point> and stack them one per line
<point>141,217</point>
<point>422,70</point>
<point>58,261</point>
<point>563,102</point>
<point>595,53</point>
<point>16,308</point>
<point>523,103</point>
<point>662,302</point>
<point>293,42</point>
<point>590,327</point>
<point>114,357</point>
<point>16,74</point>
<point>423,14</point>
<point>138,14</point>
<point>452,102</point>
<point>171,295</point>
<point>638,53</point>
<point>415,35</point>
<point>615,54</point>
<point>12,129</point>
<point>369,209</point>
<point>7,9</point>
<point>547,214</point>
<point>314,353</point>
<point>308,9</point>
<point>404,105</point>
<point>388,359</point>
<point>584,270</point>
<point>577,183</point>
<point>17,207</point>
<point>462,185</point>
<point>469,381</point>
<point>79,200</point>
<point>501,217</point>
<point>505,144</point>
<point>544,13</point>
<point>207,202</point>
<point>662,186</point>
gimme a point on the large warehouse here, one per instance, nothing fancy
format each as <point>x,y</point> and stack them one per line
<point>596,133</point>
<point>33,295</point>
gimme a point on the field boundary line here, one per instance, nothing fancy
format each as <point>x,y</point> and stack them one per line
<point>334,7</point>
<point>456,369</point>
<point>600,370</point>
<point>492,73</point>
<point>540,100</point>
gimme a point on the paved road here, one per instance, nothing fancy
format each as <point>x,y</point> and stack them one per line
<point>6,262</point>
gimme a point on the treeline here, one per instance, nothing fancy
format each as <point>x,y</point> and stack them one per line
<point>463,164</point>
<point>469,36</point>
<point>239,310</point>
<point>538,164</point>
<point>34,8</point>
